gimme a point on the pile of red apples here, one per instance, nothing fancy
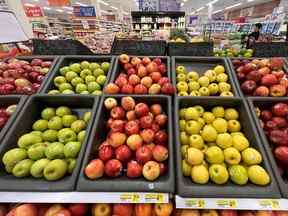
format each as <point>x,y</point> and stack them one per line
<point>22,77</point>
<point>137,142</point>
<point>262,77</point>
<point>5,113</point>
<point>141,76</point>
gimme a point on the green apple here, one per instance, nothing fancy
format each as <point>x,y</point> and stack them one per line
<point>232,156</point>
<point>240,142</point>
<point>48,113</point>
<point>181,77</point>
<point>22,169</point>
<point>224,140</point>
<point>71,163</point>
<point>258,175</point>
<point>227,94</point>
<point>50,135</point>
<point>184,138</point>
<point>94,66</point>
<point>37,151</point>
<point>93,86</point>
<point>192,76</point>
<point>194,156</point>
<point>191,113</point>
<point>208,117</point>
<point>13,156</point>
<point>81,136</point>
<point>200,174</point>
<point>214,155</point>
<point>63,110</point>
<point>238,174</point>
<point>26,140</point>
<point>40,125</point>
<point>38,167</point>
<point>193,86</point>
<point>67,120</point>
<point>84,73</point>
<point>196,141</point>
<point>66,135</point>
<point>186,168</point>
<point>80,88</point>
<point>54,92</point>
<point>78,125</point>
<point>218,112</point>
<point>182,86</point>
<point>224,87</point>
<point>37,133</point>
<point>204,81</point>
<point>220,125</point>
<point>68,91</point>
<point>59,80</point>
<point>85,93</point>
<point>65,86</point>
<point>218,174</point>
<point>204,91</point>
<point>101,79</point>
<point>76,81</point>
<point>70,75</point>
<point>182,93</point>
<point>87,116</point>
<point>55,151</point>
<point>209,134</point>
<point>64,70</point>
<point>9,169</point>
<point>180,69</point>
<point>89,79</point>
<point>55,169</point>
<point>71,149</point>
<point>231,114</point>
<point>251,156</point>
<point>234,126</point>
<point>222,77</point>
<point>85,64</point>
<point>76,67</point>
<point>213,89</point>
<point>192,127</point>
<point>98,72</point>
<point>55,123</point>
<point>105,66</point>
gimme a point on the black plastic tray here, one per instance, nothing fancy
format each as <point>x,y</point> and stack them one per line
<point>23,123</point>
<point>200,65</point>
<point>124,184</point>
<point>233,72</point>
<point>66,60</point>
<point>190,49</point>
<point>117,67</point>
<point>185,186</point>
<point>7,101</point>
<point>263,102</point>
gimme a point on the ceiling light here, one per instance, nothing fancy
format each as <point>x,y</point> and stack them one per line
<point>59,10</point>
<point>232,6</point>
<point>104,11</point>
<point>29,5</point>
<point>104,3</point>
<point>115,8</point>
<point>185,0</point>
<point>126,13</point>
<point>182,4</point>
<point>46,8</point>
<point>69,12</point>
<point>250,0</point>
<point>212,2</point>
<point>78,3</point>
<point>214,12</point>
<point>199,9</point>
<point>193,12</point>
<point>68,8</point>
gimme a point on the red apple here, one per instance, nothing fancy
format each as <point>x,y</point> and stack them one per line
<point>36,62</point>
<point>266,115</point>
<point>160,153</point>
<point>279,137</point>
<point>161,137</point>
<point>163,168</point>
<point>117,139</point>
<point>142,72</point>
<point>123,153</point>
<point>280,109</point>
<point>117,113</point>
<point>127,89</point>
<point>248,86</point>
<point>279,74</point>
<point>155,127</point>
<point>151,170</point>
<point>146,60</point>
<point>161,120</point>
<point>146,81</point>
<point>135,61</point>
<point>134,80</point>
<point>134,142</point>
<point>158,61</point>
<point>152,67</point>
<point>128,103</point>
<point>147,135</point>
<point>162,69</point>
<point>113,168</point>
<point>26,210</point>
<point>229,213</point>
<point>117,126</point>
<point>95,169</point>
<point>168,89</point>
<point>262,91</point>
<point>140,89</point>
<point>131,115</point>
<point>123,209</point>
<point>78,209</point>
<point>106,152</point>
<point>131,71</point>
<point>111,88</point>
<point>156,109</point>
<point>134,169</point>
<point>276,63</point>
<point>264,71</point>
<point>277,91</point>
<point>124,59</point>
<point>155,76</point>
<point>141,109</point>
<point>3,121</point>
<point>146,122</point>
<point>249,67</point>
<point>280,122</point>
<point>269,80</point>
<point>254,75</point>
<point>143,154</point>
<point>121,81</point>
<point>132,127</point>
<point>163,80</point>
<point>127,66</point>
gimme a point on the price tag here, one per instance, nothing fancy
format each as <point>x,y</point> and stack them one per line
<point>154,198</point>
<point>130,198</point>
<point>227,203</point>
<point>269,204</point>
<point>195,203</point>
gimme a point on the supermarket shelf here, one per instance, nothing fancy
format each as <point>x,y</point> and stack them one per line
<point>226,203</point>
<point>83,197</point>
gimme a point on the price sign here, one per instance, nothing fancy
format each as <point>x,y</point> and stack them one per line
<point>269,204</point>
<point>227,203</point>
<point>154,198</point>
<point>130,198</point>
<point>195,203</point>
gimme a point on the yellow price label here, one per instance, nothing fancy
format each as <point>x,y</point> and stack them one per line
<point>195,203</point>
<point>130,197</point>
<point>157,198</point>
<point>227,203</point>
<point>271,204</point>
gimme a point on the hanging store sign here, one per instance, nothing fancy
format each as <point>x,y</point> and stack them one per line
<point>148,5</point>
<point>59,3</point>
<point>34,11</point>
<point>87,11</point>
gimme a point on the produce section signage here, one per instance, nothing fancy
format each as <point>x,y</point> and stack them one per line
<point>80,11</point>
<point>148,5</point>
<point>59,3</point>
<point>33,11</point>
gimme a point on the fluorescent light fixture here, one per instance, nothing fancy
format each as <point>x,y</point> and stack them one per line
<point>232,6</point>
<point>68,8</point>
<point>182,4</point>
<point>78,3</point>
<point>59,10</point>
<point>104,3</point>
<point>212,2</point>
<point>250,0</point>
<point>69,12</point>
<point>46,8</point>
<point>217,11</point>
<point>115,8</point>
<point>185,0</point>
<point>126,13</point>
<point>104,11</point>
<point>199,9</point>
<point>29,5</point>
<point>193,12</point>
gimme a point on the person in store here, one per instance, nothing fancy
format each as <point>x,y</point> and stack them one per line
<point>254,36</point>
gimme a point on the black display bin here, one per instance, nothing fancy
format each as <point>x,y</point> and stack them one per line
<point>139,47</point>
<point>6,101</point>
<point>190,49</point>
<point>200,65</point>
<point>124,184</point>
<point>66,60</point>
<point>23,124</point>
<point>185,186</point>
<point>266,102</point>
<point>275,49</point>
<point>233,72</point>
<point>117,67</point>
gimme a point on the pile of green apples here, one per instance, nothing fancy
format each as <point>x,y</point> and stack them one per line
<point>51,149</point>
<point>213,83</point>
<point>81,78</point>
<point>214,148</point>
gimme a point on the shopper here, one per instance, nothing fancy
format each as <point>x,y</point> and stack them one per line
<point>254,36</point>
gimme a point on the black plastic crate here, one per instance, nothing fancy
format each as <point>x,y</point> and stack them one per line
<point>66,60</point>
<point>275,49</point>
<point>23,124</point>
<point>6,101</point>
<point>234,74</point>
<point>117,67</point>
<point>190,49</point>
<point>185,186</point>
<point>124,184</point>
<point>266,102</point>
<point>201,65</point>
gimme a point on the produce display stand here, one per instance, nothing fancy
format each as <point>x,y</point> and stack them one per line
<point>190,49</point>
